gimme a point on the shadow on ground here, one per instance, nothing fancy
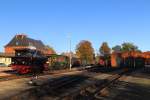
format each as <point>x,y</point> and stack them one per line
<point>131,91</point>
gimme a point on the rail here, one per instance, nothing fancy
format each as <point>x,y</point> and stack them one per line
<point>99,85</point>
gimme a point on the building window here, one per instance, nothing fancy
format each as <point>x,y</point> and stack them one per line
<point>30,44</point>
<point>17,43</point>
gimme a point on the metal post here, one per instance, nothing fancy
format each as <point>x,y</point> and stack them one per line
<point>70,53</point>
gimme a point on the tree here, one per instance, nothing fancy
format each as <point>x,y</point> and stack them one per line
<point>117,48</point>
<point>129,47</point>
<point>85,52</point>
<point>50,49</point>
<point>104,49</point>
<point>125,47</point>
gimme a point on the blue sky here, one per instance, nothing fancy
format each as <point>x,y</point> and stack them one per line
<point>114,21</point>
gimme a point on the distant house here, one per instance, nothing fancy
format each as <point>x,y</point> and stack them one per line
<point>21,41</point>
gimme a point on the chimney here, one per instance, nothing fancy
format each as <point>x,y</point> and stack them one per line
<point>21,36</point>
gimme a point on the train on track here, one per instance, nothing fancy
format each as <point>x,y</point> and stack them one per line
<point>33,61</point>
<point>28,60</point>
<point>132,59</point>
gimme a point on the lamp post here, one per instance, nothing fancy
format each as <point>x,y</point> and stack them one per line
<point>70,56</point>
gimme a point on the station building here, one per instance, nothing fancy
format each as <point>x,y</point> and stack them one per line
<point>22,41</point>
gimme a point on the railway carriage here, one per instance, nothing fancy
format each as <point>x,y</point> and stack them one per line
<point>131,59</point>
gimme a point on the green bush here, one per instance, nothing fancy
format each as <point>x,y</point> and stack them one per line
<point>59,65</point>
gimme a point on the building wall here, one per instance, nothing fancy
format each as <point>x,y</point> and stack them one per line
<point>9,50</point>
<point>115,60</point>
<point>12,49</point>
<point>5,60</point>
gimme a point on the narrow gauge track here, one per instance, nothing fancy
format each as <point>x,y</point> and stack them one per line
<point>53,88</point>
<point>12,77</point>
<point>17,76</point>
<point>91,91</point>
<point>100,91</point>
<point>63,88</point>
<point>112,79</point>
<point>59,86</point>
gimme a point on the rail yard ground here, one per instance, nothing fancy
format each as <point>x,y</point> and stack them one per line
<point>91,84</point>
<point>135,86</point>
<point>4,70</point>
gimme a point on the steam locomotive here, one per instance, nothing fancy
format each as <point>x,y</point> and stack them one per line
<point>28,60</point>
<point>33,61</point>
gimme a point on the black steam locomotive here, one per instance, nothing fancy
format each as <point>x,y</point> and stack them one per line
<point>28,60</point>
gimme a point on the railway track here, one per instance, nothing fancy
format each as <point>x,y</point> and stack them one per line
<point>102,91</point>
<point>53,88</point>
<point>58,89</point>
<point>11,77</point>
<point>60,84</point>
<point>71,87</point>
<point>92,91</point>
<point>17,76</point>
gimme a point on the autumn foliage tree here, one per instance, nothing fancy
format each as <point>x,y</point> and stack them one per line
<point>51,49</point>
<point>85,52</point>
<point>105,51</point>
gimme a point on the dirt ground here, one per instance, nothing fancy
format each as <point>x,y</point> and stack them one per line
<point>131,87</point>
<point>4,71</point>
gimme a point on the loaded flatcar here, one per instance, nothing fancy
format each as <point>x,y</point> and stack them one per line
<point>28,61</point>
